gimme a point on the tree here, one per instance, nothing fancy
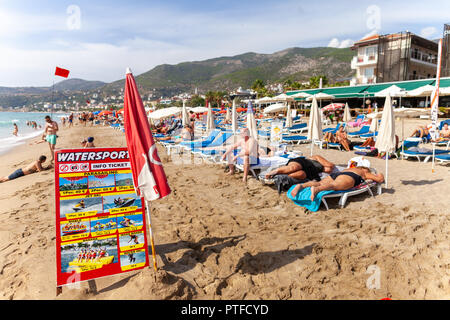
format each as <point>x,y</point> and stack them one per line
<point>196,101</point>
<point>314,82</point>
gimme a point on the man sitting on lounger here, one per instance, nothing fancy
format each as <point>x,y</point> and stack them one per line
<point>339,181</point>
<point>304,169</point>
<point>35,166</point>
<point>420,132</point>
<point>249,152</point>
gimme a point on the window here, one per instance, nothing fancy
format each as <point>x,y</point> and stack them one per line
<point>368,72</point>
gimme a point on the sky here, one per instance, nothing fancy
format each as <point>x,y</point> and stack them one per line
<point>98,39</point>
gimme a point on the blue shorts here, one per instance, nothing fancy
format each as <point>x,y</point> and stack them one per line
<point>16,174</point>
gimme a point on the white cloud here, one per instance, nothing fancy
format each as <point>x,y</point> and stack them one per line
<point>346,43</point>
<point>428,32</point>
<point>334,43</point>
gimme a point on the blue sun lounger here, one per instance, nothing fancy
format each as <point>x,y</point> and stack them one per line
<point>363,130</point>
<point>443,158</point>
<point>295,139</point>
<point>426,155</point>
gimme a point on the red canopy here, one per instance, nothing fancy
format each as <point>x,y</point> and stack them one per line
<point>241,110</point>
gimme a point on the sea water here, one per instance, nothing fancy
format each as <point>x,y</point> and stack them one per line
<point>7,119</point>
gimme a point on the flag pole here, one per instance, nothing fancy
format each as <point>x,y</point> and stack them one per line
<point>152,241</point>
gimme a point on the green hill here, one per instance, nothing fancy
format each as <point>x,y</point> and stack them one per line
<point>227,73</point>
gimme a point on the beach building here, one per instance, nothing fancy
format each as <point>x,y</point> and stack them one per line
<point>394,57</point>
<point>357,95</point>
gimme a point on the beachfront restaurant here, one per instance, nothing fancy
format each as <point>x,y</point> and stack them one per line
<point>404,93</point>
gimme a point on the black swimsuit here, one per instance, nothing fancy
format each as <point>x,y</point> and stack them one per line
<point>312,168</point>
<point>356,177</point>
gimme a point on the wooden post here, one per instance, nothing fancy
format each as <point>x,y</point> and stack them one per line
<point>92,286</point>
<point>58,291</point>
<point>152,242</point>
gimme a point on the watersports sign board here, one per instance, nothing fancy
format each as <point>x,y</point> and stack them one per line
<point>100,220</point>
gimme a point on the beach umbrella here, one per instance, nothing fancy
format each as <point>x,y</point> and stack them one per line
<point>275,108</point>
<point>165,113</point>
<point>301,95</point>
<point>289,116</point>
<point>120,111</point>
<point>386,134</point>
<point>315,124</point>
<point>333,107</point>
<point>347,116</point>
<point>234,124</point>
<point>184,115</point>
<point>199,110</point>
<point>321,96</point>
<point>251,122</point>
<point>210,123</point>
<point>264,100</point>
<point>228,116</point>
<point>241,109</point>
<point>282,98</point>
<point>392,91</point>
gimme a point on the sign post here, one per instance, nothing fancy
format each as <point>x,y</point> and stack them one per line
<point>100,221</point>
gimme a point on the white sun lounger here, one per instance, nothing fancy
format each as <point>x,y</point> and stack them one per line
<point>343,195</point>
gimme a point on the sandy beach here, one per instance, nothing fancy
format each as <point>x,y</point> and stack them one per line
<point>219,239</point>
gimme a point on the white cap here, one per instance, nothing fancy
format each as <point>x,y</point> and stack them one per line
<point>128,70</point>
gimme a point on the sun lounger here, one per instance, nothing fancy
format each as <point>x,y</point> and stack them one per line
<point>295,139</point>
<point>298,128</point>
<point>343,195</point>
<point>334,130</point>
<point>363,130</point>
<point>443,158</point>
<point>424,154</point>
<point>263,163</point>
<point>334,145</point>
<point>369,135</point>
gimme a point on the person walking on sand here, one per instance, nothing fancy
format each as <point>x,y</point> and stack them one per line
<point>50,130</point>
<point>33,167</point>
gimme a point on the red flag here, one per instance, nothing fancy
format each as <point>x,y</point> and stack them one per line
<point>62,72</point>
<point>148,174</point>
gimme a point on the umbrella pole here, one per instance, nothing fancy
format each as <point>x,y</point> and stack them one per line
<point>434,152</point>
<point>152,242</point>
<point>403,138</point>
<point>387,170</point>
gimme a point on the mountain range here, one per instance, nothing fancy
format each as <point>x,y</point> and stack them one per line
<point>222,73</point>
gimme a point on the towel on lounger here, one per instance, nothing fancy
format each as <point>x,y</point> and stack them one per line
<point>303,198</point>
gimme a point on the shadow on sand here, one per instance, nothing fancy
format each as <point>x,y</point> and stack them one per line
<point>199,253</point>
<point>420,182</point>
<point>265,262</point>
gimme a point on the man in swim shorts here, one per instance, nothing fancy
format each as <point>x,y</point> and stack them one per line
<point>35,166</point>
<point>340,181</point>
<point>304,169</point>
<point>50,130</point>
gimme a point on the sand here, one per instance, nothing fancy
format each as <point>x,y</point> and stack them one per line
<point>219,239</point>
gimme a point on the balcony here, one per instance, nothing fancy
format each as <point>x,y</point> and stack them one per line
<point>364,80</point>
<point>364,60</point>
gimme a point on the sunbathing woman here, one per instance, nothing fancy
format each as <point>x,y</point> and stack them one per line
<point>302,168</point>
<point>329,137</point>
<point>341,138</point>
<point>340,181</point>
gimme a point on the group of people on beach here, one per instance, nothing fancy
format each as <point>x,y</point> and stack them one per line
<point>91,255</point>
